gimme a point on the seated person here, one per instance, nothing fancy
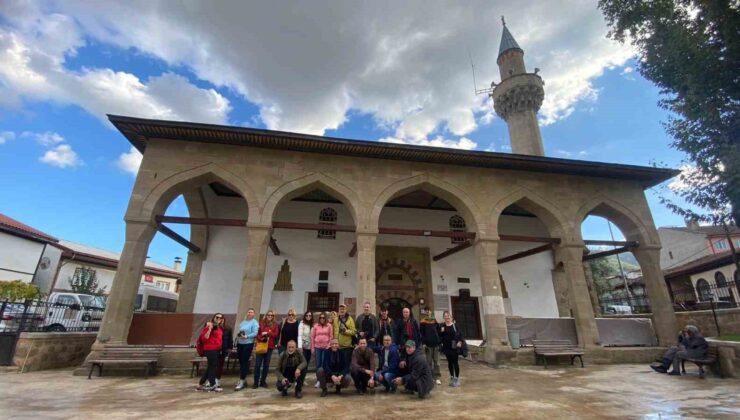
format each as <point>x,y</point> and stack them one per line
<point>388,364</point>
<point>419,379</point>
<point>291,370</point>
<point>363,367</point>
<point>695,348</point>
<point>661,365</point>
<point>332,369</point>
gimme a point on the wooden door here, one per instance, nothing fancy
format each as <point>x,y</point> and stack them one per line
<point>466,313</point>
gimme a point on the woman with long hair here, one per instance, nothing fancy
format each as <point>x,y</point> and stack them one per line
<point>211,341</point>
<point>451,347</point>
<point>321,336</point>
<point>304,335</point>
<point>268,333</point>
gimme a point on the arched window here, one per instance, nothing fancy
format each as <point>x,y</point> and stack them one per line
<point>705,293</point>
<point>720,279</point>
<point>459,229</point>
<point>328,216</point>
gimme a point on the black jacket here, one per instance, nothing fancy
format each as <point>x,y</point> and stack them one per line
<point>420,373</point>
<point>449,335</point>
<point>228,341</point>
<point>402,336</point>
<point>334,364</point>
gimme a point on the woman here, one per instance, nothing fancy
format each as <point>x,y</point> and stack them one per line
<point>267,333</point>
<point>211,341</point>
<point>248,330</point>
<point>304,335</point>
<point>321,336</point>
<point>288,331</point>
<point>451,345</point>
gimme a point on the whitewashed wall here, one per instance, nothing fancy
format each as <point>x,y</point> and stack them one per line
<point>528,280</point>
<point>103,274</point>
<point>19,255</point>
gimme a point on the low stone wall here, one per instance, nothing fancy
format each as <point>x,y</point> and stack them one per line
<point>594,355</point>
<point>51,350</point>
<point>728,319</point>
<point>729,357</point>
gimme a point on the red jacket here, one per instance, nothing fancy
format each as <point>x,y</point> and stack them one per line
<point>214,341</point>
<point>272,334</point>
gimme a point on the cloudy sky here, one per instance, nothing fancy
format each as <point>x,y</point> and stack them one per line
<point>385,71</point>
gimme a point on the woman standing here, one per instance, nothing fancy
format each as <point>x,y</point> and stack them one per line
<point>321,336</point>
<point>304,335</point>
<point>211,341</point>
<point>288,331</point>
<point>451,346</point>
<point>248,330</point>
<point>267,333</point>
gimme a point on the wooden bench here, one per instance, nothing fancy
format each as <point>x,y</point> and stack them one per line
<point>232,360</point>
<point>548,348</point>
<point>128,355</point>
<point>709,359</point>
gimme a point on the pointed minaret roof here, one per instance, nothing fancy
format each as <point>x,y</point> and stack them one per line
<point>507,41</point>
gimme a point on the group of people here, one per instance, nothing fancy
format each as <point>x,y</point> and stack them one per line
<point>369,351</point>
<point>690,345</point>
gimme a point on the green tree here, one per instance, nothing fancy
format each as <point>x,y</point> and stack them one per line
<point>85,280</point>
<point>691,50</point>
<point>601,270</point>
<point>18,290</point>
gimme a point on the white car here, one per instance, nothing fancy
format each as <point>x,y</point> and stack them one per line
<point>73,312</point>
<point>618,309</point>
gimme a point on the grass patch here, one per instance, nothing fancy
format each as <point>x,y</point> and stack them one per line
<point>730,337</point>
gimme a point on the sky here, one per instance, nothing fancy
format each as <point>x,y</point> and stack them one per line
<point>383,71</point>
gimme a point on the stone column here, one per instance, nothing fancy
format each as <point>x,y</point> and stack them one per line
<point>365,269</point>
<point>560,285</point>
<point>120,307</point>
<point>571,255</point>
<point>254,271</point>
<point>664,318</point>
<point>190,281</point>
<point>592,288</point>
<point>494,312</point>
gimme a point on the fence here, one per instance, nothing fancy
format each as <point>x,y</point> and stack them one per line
<point>624,304</point>
<point>706,295</point>
<point>42,315</point>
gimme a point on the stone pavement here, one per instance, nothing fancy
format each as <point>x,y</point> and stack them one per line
<point>601,391</point>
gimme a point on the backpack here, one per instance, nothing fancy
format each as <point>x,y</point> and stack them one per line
<point>199,345</point>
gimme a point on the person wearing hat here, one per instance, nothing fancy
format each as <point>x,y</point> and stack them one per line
<point>344,331</point>
<point>419,379</point>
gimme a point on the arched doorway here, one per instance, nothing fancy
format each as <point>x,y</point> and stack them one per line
<point>395,307</point>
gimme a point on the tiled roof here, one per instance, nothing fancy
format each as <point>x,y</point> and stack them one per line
<point>704,263</point>
<point>101,256</point>
<point>706,230</point>
<point>13,226</point>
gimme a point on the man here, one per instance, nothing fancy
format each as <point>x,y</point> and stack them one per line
<point>291,370</point>
<point>430,340</point>
<point>367,325</point>
<point>661,365</point>
<point>407,329</point>
<point>344,330</point>
<point>385,326</point>
<point>332,370</point>
<point>388,364</point>
<point>363,367</point>
<point>695,348</point>
<point>419,379</point>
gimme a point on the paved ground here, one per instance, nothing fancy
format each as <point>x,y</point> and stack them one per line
<point>531,393</point>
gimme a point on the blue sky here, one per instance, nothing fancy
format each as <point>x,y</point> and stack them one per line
<point>67,172</point>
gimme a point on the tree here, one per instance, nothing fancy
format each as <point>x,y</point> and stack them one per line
<point>85,281</point>
<point>691,50</point>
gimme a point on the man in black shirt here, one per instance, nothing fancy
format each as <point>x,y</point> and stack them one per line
<point>367,325</point>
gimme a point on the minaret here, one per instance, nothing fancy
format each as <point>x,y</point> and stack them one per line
<point>518,97</point>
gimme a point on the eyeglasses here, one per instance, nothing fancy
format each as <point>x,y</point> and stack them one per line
<point>218,317</point>
<point>309,315</point>
<point>291,314</point>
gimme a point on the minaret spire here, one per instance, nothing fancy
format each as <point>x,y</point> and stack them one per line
<point>518,97</point>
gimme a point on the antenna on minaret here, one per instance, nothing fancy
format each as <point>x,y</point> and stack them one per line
<point>503,21</point>
<point>475,86</point>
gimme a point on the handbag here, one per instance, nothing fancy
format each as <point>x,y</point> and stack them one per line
<point>463,349</point>
<point>261,347</point>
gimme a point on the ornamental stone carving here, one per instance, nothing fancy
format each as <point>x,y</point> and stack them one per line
<point>519,93</point>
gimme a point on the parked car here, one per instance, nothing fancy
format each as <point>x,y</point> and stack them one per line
<point>154,299</point>
<point>17,315</point>
<point>618,309</point>
<point>67,311</point>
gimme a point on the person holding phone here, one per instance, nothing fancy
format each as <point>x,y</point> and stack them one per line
<point>248,330</point>
<point>211,340</point>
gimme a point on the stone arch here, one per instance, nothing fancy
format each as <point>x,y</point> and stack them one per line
<point>454,195</point>
<point>410,271</point>
<point>555,221</point>
<point>196,205</point>
<point>158,198</point>
<point>626,220</point>
<point>313,181</point>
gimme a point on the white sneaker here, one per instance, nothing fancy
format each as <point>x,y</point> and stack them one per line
<point>218,383</point>
<point>438,382</point>
<point>317,384</point>
<point>239,386</point>
<point>457,383</point>
<point>452,381</point>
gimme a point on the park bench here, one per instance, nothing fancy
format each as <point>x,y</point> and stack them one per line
<point>708,360</point>
<point>549,348</point>
<point>230,363</point>
<point>127,355</point>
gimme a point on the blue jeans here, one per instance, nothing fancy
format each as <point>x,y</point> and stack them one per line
<point>261,366</point>
<point>319,357</point>
<point>388,378</point>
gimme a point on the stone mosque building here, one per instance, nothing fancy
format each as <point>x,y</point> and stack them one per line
<point>284,220</point>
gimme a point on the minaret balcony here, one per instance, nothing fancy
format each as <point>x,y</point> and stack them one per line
<point>518,93</point>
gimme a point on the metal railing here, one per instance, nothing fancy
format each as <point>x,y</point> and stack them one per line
<point>41,315</point>
<point>706,295</point>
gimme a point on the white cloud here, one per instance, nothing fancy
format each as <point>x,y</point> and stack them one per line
<point>61,156</point>
<point>6,136</point>
<point>48,138</point>
<point>691,178</point>
<point>130,161</point>
<point>307,66</point>
<point>462,143</point>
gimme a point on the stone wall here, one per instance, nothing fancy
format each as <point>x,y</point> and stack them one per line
<point>728,319</point>
<point>729,358</point>
<point>50,350</point>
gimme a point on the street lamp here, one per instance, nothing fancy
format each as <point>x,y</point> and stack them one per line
<point>711,302</point>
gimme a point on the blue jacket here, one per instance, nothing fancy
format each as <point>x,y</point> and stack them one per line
<point>393,359</point>
<point>248,328</point>
<point>334,363</point>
